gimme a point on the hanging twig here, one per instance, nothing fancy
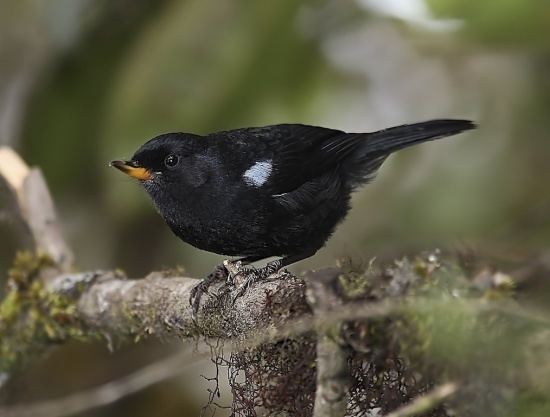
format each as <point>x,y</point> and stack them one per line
<point>333,379</point>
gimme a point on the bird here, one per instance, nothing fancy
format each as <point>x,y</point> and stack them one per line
<point>259,192</point>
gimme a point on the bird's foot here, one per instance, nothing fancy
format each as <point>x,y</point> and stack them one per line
<point>245,277</point>
<point>237,272</point>
<point>271,268</point>
<point>245,282</point>
<point>219,273</point>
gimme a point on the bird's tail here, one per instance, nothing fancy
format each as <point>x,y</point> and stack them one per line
<point>367,152</point>
<point>390,140</point>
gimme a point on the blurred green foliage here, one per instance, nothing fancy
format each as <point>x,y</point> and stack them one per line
<point>519,23</point>
<point>138,70</point>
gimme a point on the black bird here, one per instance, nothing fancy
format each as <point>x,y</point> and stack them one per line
<point>260,192</point>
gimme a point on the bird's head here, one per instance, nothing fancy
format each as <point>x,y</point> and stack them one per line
<point>172,158</point>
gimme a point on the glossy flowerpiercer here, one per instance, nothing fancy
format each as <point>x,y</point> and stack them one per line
<point>260,192</point>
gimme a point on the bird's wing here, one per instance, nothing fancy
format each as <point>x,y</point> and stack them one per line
<point>301,154</point>
<point>293,161</point>
<point>305,153</point>
<point>298,165</point>
<point>293,154</point>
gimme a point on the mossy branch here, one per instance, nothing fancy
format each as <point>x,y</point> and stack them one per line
<point>37,314</point>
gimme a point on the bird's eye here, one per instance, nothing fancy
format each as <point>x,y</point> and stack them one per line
<point>171,160</point>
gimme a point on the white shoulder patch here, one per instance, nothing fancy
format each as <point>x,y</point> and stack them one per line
<point>258,173</point>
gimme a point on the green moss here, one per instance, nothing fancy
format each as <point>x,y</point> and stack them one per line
<point>32,318</point>
<point>27,267</point>
<point>353,285</point>
<point>355,281</point>
<point>9,308</point>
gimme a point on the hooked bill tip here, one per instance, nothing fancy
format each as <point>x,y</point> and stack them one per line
<point>131,169</point>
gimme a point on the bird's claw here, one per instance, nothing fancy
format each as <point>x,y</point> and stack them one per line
<point>240,277</point>
<point>198,290</point>
<point>232,267</point>
<point>249,277</point>
<point>195,297</point>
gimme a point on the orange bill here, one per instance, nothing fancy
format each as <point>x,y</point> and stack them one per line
<point>133,170</point>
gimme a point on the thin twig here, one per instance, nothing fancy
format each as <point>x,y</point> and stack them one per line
<point>426,402</point>
<point>110,392</point>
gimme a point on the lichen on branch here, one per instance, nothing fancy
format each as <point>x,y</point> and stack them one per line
<point>32,317</point>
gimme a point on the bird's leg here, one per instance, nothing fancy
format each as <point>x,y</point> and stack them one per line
<point>278,264</point>
<point>240,268</point>
<point>268,270</point>
<point>229,270</point>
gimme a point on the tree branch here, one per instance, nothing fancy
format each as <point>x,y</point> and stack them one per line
<point>30,199</point>
<point>106,304</point>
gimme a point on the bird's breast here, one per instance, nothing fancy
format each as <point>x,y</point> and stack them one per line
<point>228,223</point>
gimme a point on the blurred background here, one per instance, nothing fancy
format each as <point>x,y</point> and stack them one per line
<point>83,82</point>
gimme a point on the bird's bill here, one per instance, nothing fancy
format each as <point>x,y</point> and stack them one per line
<point>132,169</point>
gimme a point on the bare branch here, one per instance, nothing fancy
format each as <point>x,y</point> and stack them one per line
<point>34,207</point>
